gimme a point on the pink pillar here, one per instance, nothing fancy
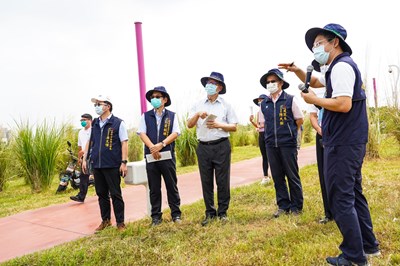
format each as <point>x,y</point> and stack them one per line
<point>142,80</point>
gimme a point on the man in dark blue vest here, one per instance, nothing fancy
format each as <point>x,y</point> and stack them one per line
<point>283,119</point>
<point>158,130</point>
<point>344,136</point>
<point>108,155</point>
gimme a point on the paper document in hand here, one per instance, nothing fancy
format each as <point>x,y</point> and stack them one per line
<point>165,155</point>
<point>210,117</point>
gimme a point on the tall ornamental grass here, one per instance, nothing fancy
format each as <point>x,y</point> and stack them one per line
<point>4,163</point>
<point>37,151</point>
<point>135,144</point>
<point>185,144</point>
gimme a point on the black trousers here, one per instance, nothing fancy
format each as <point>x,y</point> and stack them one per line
<point>342,172</point>
<point>108,183</point>
<point>83,186</point>
<point>263,150</point>
<point>166,168</point>
<point>215,158</point>
<point>320,163</point>
<point>283,162</point>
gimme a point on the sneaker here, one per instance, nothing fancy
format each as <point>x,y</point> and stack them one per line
<point>177,220</point>
<point>324,220</point>
<point>341,261</point>
<point>265,180</point>
<point>375,252</point>
<point>279,212</point>
<point>76,198</point>
<point>121,227</point>
<point>296,212</point>
<point>156,222</point>
<point>103,225</point>
<point>224,219</point>
<point>207,220</point>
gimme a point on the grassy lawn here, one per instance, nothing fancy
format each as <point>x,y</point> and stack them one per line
<point>251,237</point>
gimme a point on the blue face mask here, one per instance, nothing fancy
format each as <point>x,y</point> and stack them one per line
<point>99,110</point>
<point>83,123</point>
<point>320,55</point>
<point>156,103</point>
<point>211,89</point>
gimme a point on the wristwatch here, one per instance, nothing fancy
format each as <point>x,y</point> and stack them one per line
<point>163,144</point>
<point>124,161</point>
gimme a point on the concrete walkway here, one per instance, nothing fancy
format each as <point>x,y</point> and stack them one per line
<point>44,228</point>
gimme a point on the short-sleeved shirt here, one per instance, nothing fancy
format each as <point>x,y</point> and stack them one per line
<point>83,137</point>
<point>224,112</point>
<point>343,79</point>
<point>123,132</point>
<point>143,129</point>
<point>297,113</point>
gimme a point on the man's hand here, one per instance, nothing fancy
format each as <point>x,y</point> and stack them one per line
<point>84,167</point>
<point>156,155</point>
<point>156,148</point>
<point>123,169</point>
<point>309,97</point>
<point>202,114</point>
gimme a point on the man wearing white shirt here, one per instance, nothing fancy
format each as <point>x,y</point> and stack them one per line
<point>214,149</point>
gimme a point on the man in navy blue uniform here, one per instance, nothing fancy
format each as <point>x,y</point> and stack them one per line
<point>108,155</point>
<point>158,130</point>
<point>344,136</point>
<point>283,119</point>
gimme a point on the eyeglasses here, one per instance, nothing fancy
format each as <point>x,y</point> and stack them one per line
<point>319,43</point>
<point>157,96</point>
<point>272,81</point>
<point>99,104</point>
<point>212,82</point>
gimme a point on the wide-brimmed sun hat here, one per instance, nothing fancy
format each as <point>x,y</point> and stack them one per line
<point>262,96</point>
<point>215,76</point>
<point>276,72</point>
<point>336,29</point>
<point>163,92</point>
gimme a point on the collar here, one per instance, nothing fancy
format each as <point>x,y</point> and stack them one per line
<point>216,100</point>
<point>108,118</point>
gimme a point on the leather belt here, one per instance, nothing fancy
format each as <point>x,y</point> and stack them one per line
<point>213,142</point>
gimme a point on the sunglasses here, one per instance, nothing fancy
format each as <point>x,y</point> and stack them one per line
<point>158,97</point>
<point>99,104</point>
<point>272,81</point>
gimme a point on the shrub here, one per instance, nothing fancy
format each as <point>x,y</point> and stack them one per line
<point>4,163</point>
<point>242,136</point>
<point>307,130</point>
<point>185,144</point>
<point>38,152</point>
<point>135,147</point>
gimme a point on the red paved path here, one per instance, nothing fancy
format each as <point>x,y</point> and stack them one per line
<point>44,228</point>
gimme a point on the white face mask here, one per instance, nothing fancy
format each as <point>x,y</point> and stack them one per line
<point>272,87</point>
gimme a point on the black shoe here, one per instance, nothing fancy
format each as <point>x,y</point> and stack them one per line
<point>156,222</point>
<point>177,220</point>
<point>341,261</point>
<point>76,198</point>
<point>223,218</point>
<point>325,220</point>
<point>373,252</point>
<point>207,220</point>
<point>279,212</point>
<point>296,212</point>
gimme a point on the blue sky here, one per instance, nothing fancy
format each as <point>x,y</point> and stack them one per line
<point>56,55</point>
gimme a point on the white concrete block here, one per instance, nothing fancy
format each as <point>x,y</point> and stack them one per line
<point>137,174</point>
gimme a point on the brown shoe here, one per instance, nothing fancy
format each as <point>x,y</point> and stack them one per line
<point>121,227</point>
<point>103,225</point>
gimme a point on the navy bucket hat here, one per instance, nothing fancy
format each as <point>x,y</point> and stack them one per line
<point>163,92</point>
<point>215,76</point>
<point>276,72</point>
<point>336,29</point>
<point>262,96</point>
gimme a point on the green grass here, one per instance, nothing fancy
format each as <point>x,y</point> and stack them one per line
<point>251,237</point>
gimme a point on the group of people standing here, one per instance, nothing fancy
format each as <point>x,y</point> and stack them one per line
<point>342,132</point>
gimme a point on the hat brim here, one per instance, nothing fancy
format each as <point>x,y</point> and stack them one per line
<point>165,94</point>
<point>312,33</point>
<point>205,79</point>
<point>263,81</point>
